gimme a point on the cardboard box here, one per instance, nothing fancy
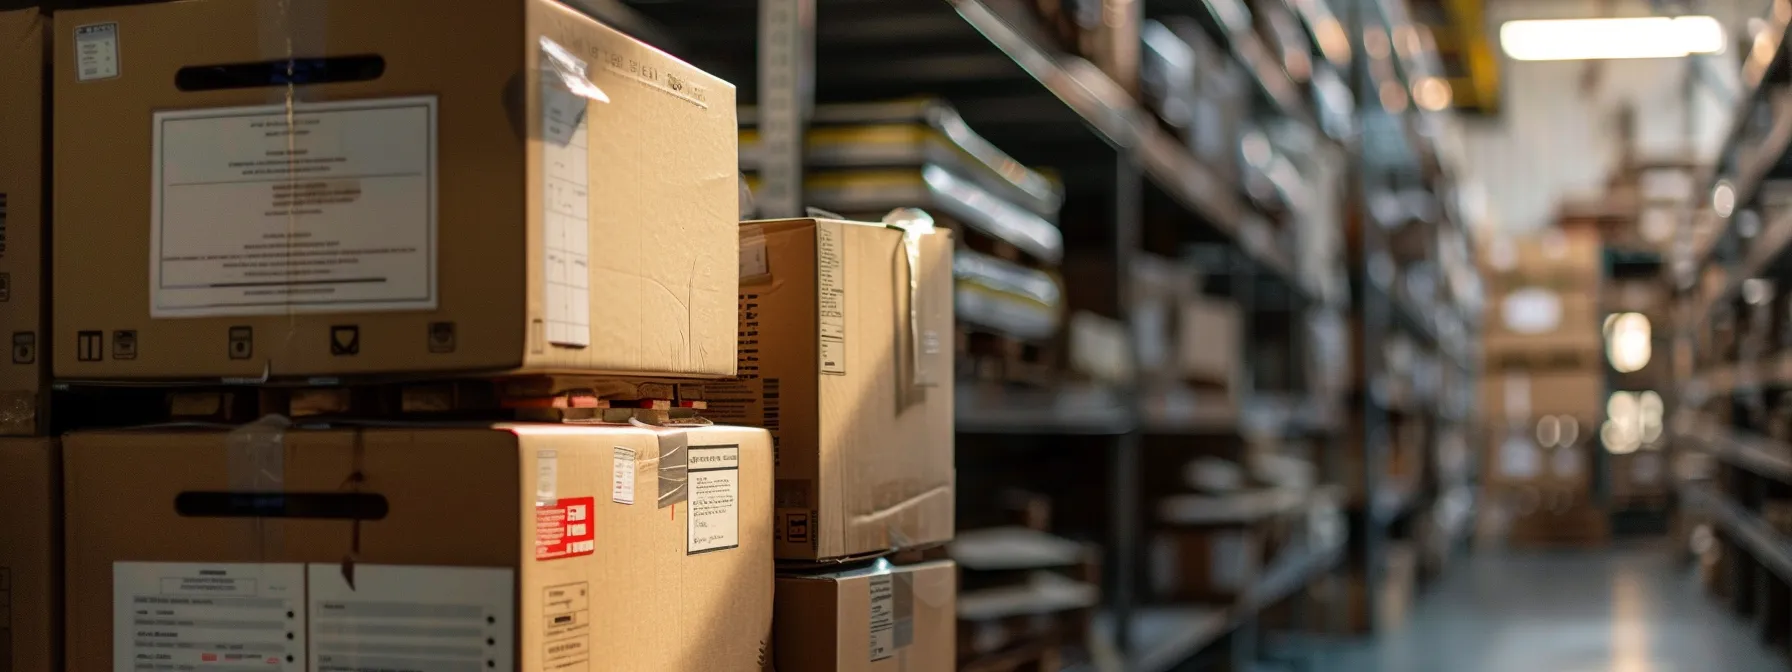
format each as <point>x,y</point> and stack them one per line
<point>1518,395</point>
<point>1210,334</point>
<point>1209,564</point>
<point>844,357</point>
<point>30,554</point>
<point>566,546</point>
<point>22,389</point>
<point>452,211</point>
<point>883,617</point>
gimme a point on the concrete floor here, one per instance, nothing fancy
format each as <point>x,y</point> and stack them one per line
<point>1629,610</point>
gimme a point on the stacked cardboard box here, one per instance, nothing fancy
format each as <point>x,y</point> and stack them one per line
<point>30,484</point>
<point>840,353</point>
<point>345,198</point>
<point>1544,394</point>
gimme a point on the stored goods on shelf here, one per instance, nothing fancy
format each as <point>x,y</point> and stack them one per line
<point>512,188</point>
<point>842,356</point>
<point>551,546</point>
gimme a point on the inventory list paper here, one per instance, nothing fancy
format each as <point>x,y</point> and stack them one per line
<point>192,616</point>
<point>412,619</point>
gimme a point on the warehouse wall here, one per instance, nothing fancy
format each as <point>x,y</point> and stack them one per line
<point>1554,137</point>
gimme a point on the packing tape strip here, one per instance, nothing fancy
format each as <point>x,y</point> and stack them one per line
<point>754,264</point>
<point>289,30</point>
<point>565,89</point>
<point>256,462</point>
<point>673,463</point>
<point>18,411</point>
<point>914,223</point>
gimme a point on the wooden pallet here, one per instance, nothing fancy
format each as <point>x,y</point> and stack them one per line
<point>997,358</point>
<point>568,399</point>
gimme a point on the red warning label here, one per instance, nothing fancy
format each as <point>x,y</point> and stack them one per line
<point>563,529</point>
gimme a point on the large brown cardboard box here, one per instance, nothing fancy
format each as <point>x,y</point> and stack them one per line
<point>22,389</point>
<point>30,555</point>
<point>881,618</point>
<point>506,187</point>
<point>507,547</point>
<point>843,358</point>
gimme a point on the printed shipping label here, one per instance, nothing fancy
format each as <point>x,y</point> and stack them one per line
<point>189,616</point>
<point>566,613</point>
<point>830,307</point>
<point>563,529</point>
<point>622,476</point>
<point>883,617</point>
<point>713,522</point>
<point>96,51</point>
<point>565,200</point>
<point>324,208</point>
<point>411,618</point>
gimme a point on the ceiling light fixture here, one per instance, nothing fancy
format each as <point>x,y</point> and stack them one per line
<point>1599,39</point>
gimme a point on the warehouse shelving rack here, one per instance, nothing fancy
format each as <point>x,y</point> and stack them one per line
<point>1731,473</point>
<point>1046,108</point>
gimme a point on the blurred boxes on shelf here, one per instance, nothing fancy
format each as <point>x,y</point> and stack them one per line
<point>1639,477</point>
<point>30,552</point>
<point>1181,335</point>
<point>869,619</point>
<point>588,224</point>
<point>841,358</point>
<point>23,384</point>
<point>332,535</point>
<point>1211,564</point>
<point>1543,292</point>
<point>1521,395</point>
<point>1563,521</point>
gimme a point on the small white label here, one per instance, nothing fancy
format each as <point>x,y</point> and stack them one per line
<point>753,263</point>
<point>1519,458</point>
<point>565,206</point>
<point>326,207</point>
<point>96,51</point>
<point>713,523</point>
<point>883,617</point>
<point>412,618</point>
<point>547,477</point>
<point>191,616</point>
<point>622,480</point>
<point>830,307</point>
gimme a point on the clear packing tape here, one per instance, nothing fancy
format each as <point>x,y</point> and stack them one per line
<point>923,343</point>
<point>256,461</point>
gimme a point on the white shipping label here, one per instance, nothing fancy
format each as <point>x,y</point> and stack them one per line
<point>547,477</point>
<point>190,616</point>
<point>1519,458</point>
<point>622,477</point>
<point>412,618</point>
<point>713,473</point>
<point>326,207</point>
<point>883,617</point>
<point>830,285</point>
<point>565,205</point>
<point>96,51</point>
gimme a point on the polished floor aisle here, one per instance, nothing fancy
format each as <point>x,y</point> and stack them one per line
<point>1628,610</point>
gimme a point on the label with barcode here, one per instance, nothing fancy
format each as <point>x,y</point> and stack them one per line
<point>883,617</point>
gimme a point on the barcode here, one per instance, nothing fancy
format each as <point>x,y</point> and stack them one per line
<point>768,411</point>
<point>2,223</point>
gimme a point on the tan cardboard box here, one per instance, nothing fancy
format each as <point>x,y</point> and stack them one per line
<point>30,554</point>
<point>886,617</point>
<point>439,199</point>
<point>22,389</point>
<point>1217,563</point>
<point>1210,333</point>
<point>508,547</point>
<point>1520,395</point>
<point>854,379</point>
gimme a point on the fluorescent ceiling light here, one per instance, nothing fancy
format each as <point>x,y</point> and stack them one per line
<point>1590,39</point>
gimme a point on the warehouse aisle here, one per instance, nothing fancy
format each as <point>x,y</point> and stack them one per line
<point>1619,611</point>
